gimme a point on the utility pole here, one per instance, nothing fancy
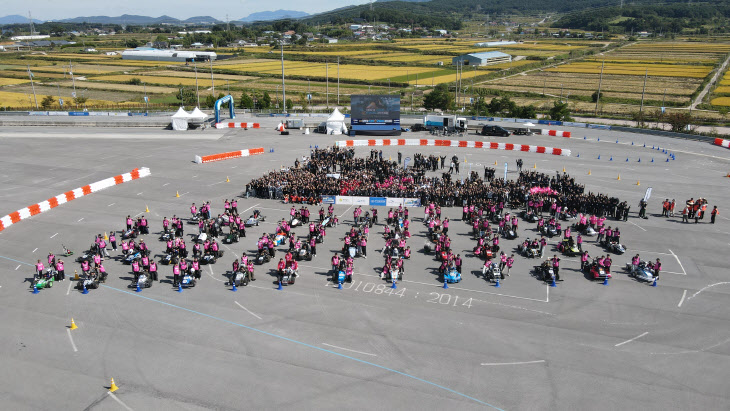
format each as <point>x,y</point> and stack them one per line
<point>643,92</point>
<point>600,80</point>
<point>212,82</point>
<point>73,79</point>
<point>146,99</point>
<point>197,91</point>
<point>338,81</point>
<point>327,89</point>
<point>60,100</point>
<point>283,84</point>
<point>32,86</point>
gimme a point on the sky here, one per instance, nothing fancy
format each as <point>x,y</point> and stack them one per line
<point>181,9</point>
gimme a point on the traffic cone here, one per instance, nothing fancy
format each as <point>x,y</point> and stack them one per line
<point>667,160</point>
<point>605,281</point>
<point>616,141</point>
<point>552,284</point>
<point>644,144</point>
<point>577,155</point>
<point>535,166</point>
<point>619,177</point>
<point>632,143</point>
<point>446,285</point>
<point>113,386</point>
<point>35,290</point>
<point>73,325</point>
<point>179,287</point>
<point>627,159</point>
<point>599,139</point>
<point>138,289</point>
<point>563,169</point>
<point>496,285</point>
<point>234,286</point>
<point>106,237</point>
<point>495,162</point>
<point>728,175</point>
<point>76,275</point>
<point>584,137</point>
<point>339,285</point>
<point>85,291</point>
<point>146,209</point>
<point>394,286</point>
<point>177,194</point>
<point>652,159</point>
<point>653,284</point>
<point>589,172</point>
<point>599,156</point>
<point>638,183</point>
<point>280,287</point>
<point>228,180</point>
<point>610,159</point>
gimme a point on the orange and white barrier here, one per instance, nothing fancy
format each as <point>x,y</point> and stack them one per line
<point>556,133</point>
<point>722,143</point>
<point>56,201</point>
<point>231,154</point>
<point>237,125</point>
<point>455,143</point>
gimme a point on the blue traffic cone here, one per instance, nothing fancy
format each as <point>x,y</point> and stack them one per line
<point>394,286</point>
<point>599,156</point>
<point>667,159</point>
<point>652,159</point>
<point>584,137</point>
<point>610,159</point>
<point>138,289</point>
<point>234,287</point>
<point>35,290</point>
<point>310,146</point>
<point>496,285</point>
<point>654,283</point>
<point>599,139</point>
<point>616,141</point>
<point>644,144</point>
<point>339,286</point>
<point>446,285</point>
<point>279,287</point>
<point>85,290</point>
<point>179,287</point>
<point>552,284</point>
<point>632,143</point>
<point>639,160</point>
<point>605,281</point>
<point>577,155</point>
<point>627,159</point>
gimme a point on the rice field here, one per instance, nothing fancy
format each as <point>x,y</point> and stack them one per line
<point>173,81</point>
<point>120,87</point>
<point>11,99</point>
<point>346,71</point>
<point>663,70</point>
<point>12,81</point>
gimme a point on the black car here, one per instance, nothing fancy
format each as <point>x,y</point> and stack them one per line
<point>494,131</point>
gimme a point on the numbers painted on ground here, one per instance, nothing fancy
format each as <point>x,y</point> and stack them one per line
<point>434,297</point>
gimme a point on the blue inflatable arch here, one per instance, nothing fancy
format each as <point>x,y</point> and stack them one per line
<point>227,99</point>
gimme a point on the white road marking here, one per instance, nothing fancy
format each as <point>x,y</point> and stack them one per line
<point>54,235</point>
<point>637,225</point>
<point>70,283</point>
<point>70,338</point>
<point>111,394</point>
<point>512,306</point>
<point>187,192</point>
<point>692,351</point>
<point>247,310</point>
<point>35,249</point>
<point>212,275</point>
<point>111,204</point>
<point>514,363</point>
<point>234,166</point>
<point>140,193</point>
<point>194,176</point>
<point>268,208</point>
<point>347,349</point>
<point>139,214</point>
<point>650,252</point>
<point>16,268</point>
<point>232,252</point>
<point>165,184</point>
<point>80,219</point>
<point>680,263</point>
<point>241,213</point>
<point>440,285</point>
<point>628,341</point>
<point>684,294</point>
<point>704,288</point>
<point>215,184</point>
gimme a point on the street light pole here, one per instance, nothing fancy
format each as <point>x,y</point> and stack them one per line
<point>283,84</point>
<point>197,91</point>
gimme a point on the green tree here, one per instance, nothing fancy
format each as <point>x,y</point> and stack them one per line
<point>246,101</point>
<point>303,99</point>
<point>480,107</point>
<point>80,100</point>
<point>679,121</point>
<point>289,104</point>
<point>502,106</point>
<point>265,101</point>
<point>438,98</point>
<point>135,81</point>
<point>560,111</point>
<point>209,100</point>
<point>186,96</point>
<point>595,96</point>
<point>47,102</point>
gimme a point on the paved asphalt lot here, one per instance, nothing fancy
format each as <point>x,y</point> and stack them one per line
<point>524,346</point>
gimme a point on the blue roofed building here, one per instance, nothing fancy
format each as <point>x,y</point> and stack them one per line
<point>482,59</point>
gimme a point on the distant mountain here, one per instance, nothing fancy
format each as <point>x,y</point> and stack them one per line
<point>274,15</point>
<point>139,20</point>
<point>17,19</point>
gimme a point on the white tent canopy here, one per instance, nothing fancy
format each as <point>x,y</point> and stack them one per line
<point>180,120</point>
<point>336,123</point>
<point>197,116</point>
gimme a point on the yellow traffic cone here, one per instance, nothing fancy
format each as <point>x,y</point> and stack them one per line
<point>73,325</point>
<point>106,237</point>
<point>619,177</point>
<point>495,162</point>
<point>535,166</point>
<point>76,275</point>
<point>113,386</point>
<point>638,183</point>
<point>464,161</point>
<point>563,169</point>
<point>228,180</point>
<point>146,209</point>
<point>177,194</point>
<point>589,172</point>
<point>390,158</point>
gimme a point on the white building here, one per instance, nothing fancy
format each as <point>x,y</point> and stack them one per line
<point>144,53</point>
<point>482,59</point>
<point>494,43</point>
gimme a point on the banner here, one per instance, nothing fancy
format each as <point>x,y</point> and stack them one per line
<point>328,199</point>
<point>647,195</point>
<point>361,201</point>
<point>378,201</point>
<point>345,200</point>
<point>411,202</point>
